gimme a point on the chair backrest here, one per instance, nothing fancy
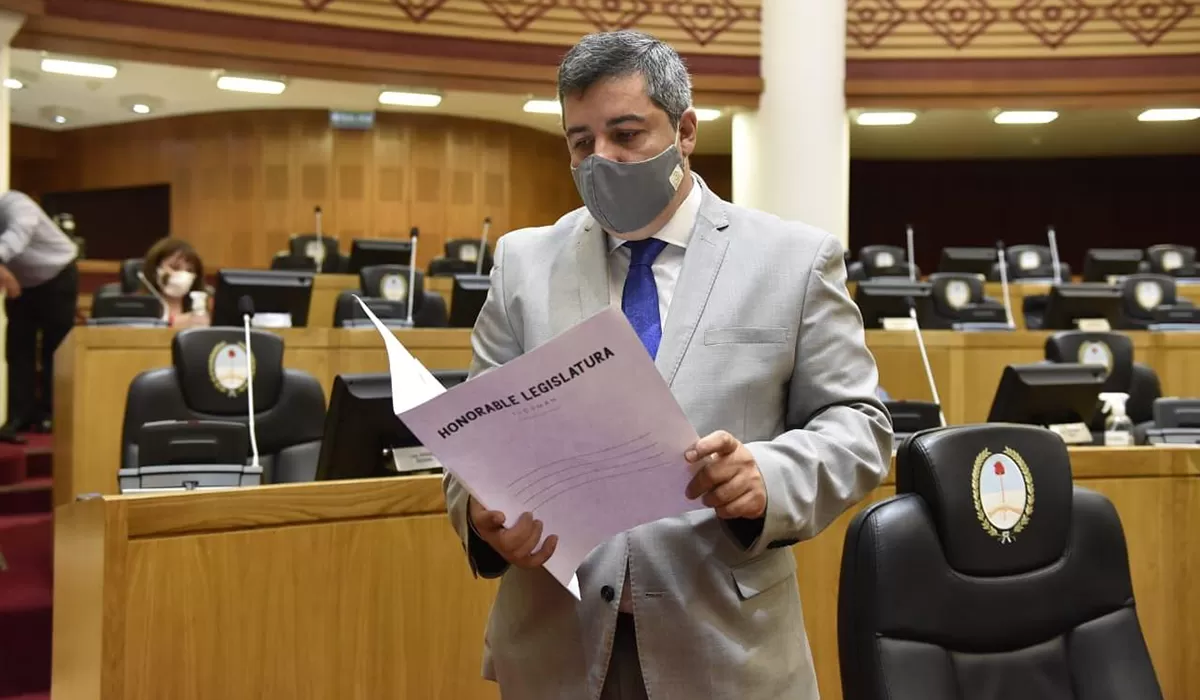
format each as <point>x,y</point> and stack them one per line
<point>466,249</point>
<point>348,313</point>
<point>391,282</point>
<point>207,381</point>
<point>311,246</point>
<point>884,261</point>
<point>128,276</point>
<point>988,576</point>
<point>953,291</point>
<point>1028,261</point>
<point>1143,293</point>
<point>1171,259</point>
<point>1113,351</point>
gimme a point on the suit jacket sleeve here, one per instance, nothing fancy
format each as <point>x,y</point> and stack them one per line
<point>838,444</point>
<point>493,343</point>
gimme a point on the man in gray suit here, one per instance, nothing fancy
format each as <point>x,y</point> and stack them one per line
<point>748,319</point>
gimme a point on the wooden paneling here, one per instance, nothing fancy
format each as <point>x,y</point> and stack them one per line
<point>242,182</point>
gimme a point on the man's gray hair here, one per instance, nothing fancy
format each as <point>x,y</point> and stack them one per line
<point>627,52</point>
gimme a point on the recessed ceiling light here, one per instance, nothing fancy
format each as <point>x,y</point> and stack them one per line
<point>82,69</point>
<point>885,118</point>
<point>60,119</point>
<point>409,99</point>
<point>13,84</point>
<point>1025,117</point>
<point>1183,114</point>
<point>543,107</point>
<point>140,109</point>
<point>707,115</point>
<point>259,86</point>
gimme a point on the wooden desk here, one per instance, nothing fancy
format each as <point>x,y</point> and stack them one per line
<point>1157,494</point>
<point>301,592</point>
<point>360,589</point>
<point>95,365</point>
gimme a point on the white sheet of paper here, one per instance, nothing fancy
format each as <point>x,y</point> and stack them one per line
<point>582,432</point>
<point>412,384</point>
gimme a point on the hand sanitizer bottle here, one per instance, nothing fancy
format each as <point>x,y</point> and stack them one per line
<point>1118,428</point>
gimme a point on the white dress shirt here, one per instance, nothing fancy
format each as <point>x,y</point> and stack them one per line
<point>31,244</point>
<point>676,233</point>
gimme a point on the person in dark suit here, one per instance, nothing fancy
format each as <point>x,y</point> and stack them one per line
<point>41,283</point>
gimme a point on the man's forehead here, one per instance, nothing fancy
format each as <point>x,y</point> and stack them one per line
<point>606,100</point>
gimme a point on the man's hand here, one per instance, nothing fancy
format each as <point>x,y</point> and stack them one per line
<point>516,544</point>
<point>727,477</point>
<point>9,283</point>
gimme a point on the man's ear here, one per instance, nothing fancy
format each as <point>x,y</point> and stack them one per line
<point>687,133</point>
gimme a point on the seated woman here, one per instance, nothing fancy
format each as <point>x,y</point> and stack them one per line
<point>175,273</point>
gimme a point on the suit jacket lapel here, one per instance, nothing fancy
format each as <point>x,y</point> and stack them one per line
<point>585,279</point>
<point>701,263</point>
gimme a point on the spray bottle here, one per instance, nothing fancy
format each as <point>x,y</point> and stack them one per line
<point>1118,428</point>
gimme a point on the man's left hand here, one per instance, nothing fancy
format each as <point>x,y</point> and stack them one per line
<point>727,477</point>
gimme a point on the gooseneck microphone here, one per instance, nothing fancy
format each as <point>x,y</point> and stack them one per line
<point>166,308</point>
<point>912,313</point>
<point>414,234</point>
<point>1002,261</point>
<point>483,241</point>
<point>912,261</point>
<point>246,309</point>
<point>320,259</point>
<point>1053,240</point>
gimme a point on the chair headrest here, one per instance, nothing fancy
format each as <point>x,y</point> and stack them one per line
<point>130,267</point>
<point>954,290</point>
<point>1172,259</point>
<point>1145,292</point>
<point>878,257</point>
<point>210,364</point>
<point>1112,350</point>
<point>391,282</point>
<point>999,494</point>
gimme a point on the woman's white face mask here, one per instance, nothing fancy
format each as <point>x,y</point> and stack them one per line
<point>176,283</point>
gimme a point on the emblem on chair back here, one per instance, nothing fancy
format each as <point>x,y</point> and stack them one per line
<point>393,287</point>
<point>1172,260</point>
<point>1029,260</point>
<point>1148,294</point>
<point>1002,488</point>
<point>1096,352</point>
<point>227,368</point>
<point>957,294</point>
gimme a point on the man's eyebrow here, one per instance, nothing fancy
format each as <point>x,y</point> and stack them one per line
<point>577,130</point>
<point>617,121</point>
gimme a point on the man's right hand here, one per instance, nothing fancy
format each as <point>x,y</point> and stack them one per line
<point>517,544</point>
<point>8,282</point>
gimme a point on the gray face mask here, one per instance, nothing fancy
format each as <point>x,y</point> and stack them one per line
<point>625,197</point>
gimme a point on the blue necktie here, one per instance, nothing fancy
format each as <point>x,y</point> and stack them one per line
<point>639,300</point>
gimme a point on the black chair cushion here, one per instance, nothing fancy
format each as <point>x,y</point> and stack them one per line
<point>1174,260</point>
<point>211,366</point>
<point>989,576</point>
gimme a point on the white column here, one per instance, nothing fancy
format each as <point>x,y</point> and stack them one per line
<point>802,140</point>
<point>10,22</point>
<point>746,161</point>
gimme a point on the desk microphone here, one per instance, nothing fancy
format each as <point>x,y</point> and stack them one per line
<point>912,313</point>
<point>1002,261</point>
<point>912,261</point>
<point>1053,239</point>
<point>246,309</point>
<point>483,241</point>
<point>320,259</point>
<point>166,308</point>
<point>414,234</point>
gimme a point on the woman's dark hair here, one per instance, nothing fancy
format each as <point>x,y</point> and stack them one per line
<point>169,247</point>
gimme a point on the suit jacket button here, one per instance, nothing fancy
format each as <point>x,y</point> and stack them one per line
<point>607,593</point>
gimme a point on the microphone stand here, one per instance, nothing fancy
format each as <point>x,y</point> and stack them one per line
<point>487,225</point>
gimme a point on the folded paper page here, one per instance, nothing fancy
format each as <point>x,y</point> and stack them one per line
<point>582,432</point>
<point>412,384</point>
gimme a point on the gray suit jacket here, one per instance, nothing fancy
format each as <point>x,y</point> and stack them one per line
<point>761,339</point>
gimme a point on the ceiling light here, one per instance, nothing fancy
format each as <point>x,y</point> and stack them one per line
<point>140,108</point>
<point>543,107</point>
<point>409,99</point>
<point>885,118</point>
<point>1185,114</point>
<point>60,119</point>
<point>78,68</point>
<point>1032,117</point>
<point>259,86</point>
<point>13,84</point>
<point>707,115</point>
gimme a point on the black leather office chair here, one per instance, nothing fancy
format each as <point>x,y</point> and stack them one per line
<point>1115,352</point>
<point>989,576</point>
<point>1143,297</point>
<point>207,381</point>
<point>127,280</point>
<point>882,261</point>
<point>1028,262</point>
<point>429,312</point>
<point>310,246</point>
<point>390,283</point>
<point>958,298</point>
<point>1173,260</point>
<point>466,249</point>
